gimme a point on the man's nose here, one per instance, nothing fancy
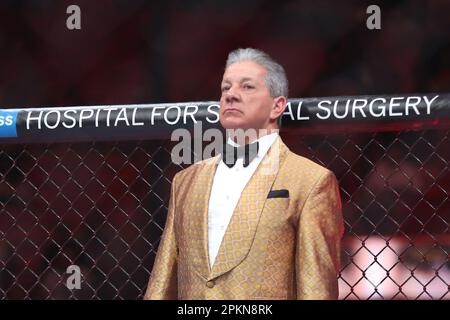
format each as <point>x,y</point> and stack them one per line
<point>231,95</point>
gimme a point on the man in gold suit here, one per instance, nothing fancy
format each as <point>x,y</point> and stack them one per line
<point>265,224</point>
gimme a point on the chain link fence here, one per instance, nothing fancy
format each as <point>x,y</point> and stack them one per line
<point>102,206</point>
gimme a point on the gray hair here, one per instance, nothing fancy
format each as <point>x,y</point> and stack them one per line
<point>276,79</point>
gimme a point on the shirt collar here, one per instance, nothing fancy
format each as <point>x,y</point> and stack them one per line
<point>265,142</point>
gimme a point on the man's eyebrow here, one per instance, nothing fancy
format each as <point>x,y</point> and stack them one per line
<point>246,79</point>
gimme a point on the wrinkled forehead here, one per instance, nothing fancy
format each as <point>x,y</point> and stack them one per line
<point>244,71</point>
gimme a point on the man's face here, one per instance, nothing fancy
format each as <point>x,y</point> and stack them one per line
<point>246,102</point>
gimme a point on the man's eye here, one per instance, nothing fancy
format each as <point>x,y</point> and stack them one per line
<point>248,86</point>
<point>225,89</point>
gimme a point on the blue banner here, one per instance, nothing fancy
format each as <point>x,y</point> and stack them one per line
<point>8,124</point>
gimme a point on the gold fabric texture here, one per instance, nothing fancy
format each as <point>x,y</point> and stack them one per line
<point>273,248</point>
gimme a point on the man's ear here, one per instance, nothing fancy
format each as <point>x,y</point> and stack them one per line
<point>279,105</point>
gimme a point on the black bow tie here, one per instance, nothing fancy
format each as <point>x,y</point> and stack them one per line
<point>231,153</point>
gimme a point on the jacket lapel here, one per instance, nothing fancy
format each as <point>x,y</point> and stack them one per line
<point>241,230</point>
<point>198,210</point>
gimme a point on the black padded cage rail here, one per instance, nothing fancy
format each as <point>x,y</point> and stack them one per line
<point>157,121</point>
<point>89,186</point>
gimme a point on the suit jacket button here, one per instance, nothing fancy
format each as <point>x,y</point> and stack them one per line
<point>210,284</point>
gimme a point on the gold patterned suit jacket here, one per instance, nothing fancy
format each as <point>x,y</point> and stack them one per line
<point>273,248</point>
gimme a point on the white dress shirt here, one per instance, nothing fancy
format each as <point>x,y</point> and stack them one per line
<point>227,187</point>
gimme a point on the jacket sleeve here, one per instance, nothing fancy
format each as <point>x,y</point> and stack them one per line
<point>163,284</point>
<point>318,244</point>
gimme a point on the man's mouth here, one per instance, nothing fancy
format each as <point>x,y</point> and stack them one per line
<point>232,110</point>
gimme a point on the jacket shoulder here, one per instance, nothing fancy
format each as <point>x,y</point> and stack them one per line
<point>307,165</point>
<point>191,170</point>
